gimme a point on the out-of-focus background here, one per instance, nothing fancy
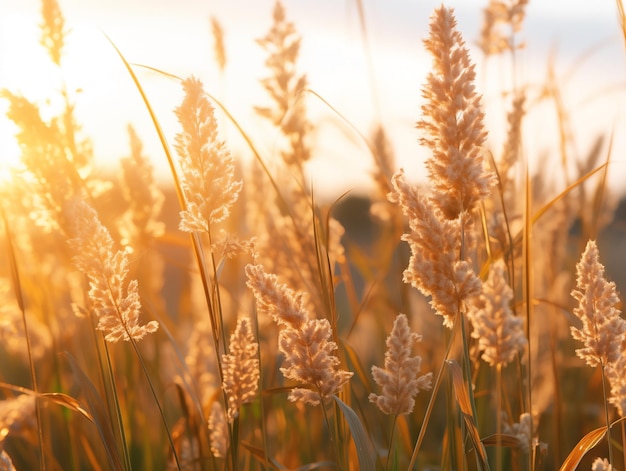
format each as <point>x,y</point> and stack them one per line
<point>376,77</point>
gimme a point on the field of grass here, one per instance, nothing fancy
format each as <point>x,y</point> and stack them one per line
<point>231,320</point>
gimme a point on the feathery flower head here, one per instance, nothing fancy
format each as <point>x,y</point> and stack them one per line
<point>603,330</point>
<point>240,368</point>
<point>305,342</point>
<point>5,461</point>
<point>522,430</point>
<point>309,360</point>
<point>435,241</point>
<point>53,30</point>
<point>500,334</point>
<point>500,15</point>
<point>115,303</point>
<point>600,464</point>
<point>282,303</point>
<point>142,194</point>
<point>616,374</point>
<point>218,431</point>
<point>17,415</point>
<point>284,86</point>
<point>208,171</point>
<point>452,121</point>
<point>400,378</point>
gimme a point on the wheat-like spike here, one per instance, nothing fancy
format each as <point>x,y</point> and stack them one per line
<point>601,464</point>
<point>304,341</point>
<point>603,330</point>
<point>501,20</point>
<point>452,121</point>
<point>208,171</point>
<point>500,334</point>
<point>218,431</point>
<point>115,302</point>
<point>434,267</point>
<point>17,416</point>
<point>240,368</point>
<point>400,379</point>
<point>140,223</point>
<point>218,43</point>
<point>53,30</point>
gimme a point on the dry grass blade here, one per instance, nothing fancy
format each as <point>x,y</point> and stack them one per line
<point>503,439</point>
<point>259,454</point>
<point>584,445</point>
<point>68,402</point>
<point>361,441</point>
<point>465,404</point>
<point>95,404</point>
<point>564,193</point>
<point>17,286</point>
<point>155,121</point>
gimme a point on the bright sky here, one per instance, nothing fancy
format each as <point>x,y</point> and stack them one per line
<point>174,36</point>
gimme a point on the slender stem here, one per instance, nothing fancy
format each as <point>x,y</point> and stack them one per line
<point>499,393</point>
<point>118,410</point>
<point>431,402</point>
<point>623,443</point>
<point>17,287</point>
<point>606,415</point>
<point>156,400</point>
<point>391,437</point>
<point>332,435</point>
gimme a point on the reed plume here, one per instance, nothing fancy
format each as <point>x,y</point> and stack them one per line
<point>240,368</point>
<point>603,330</point>
<point>502,19</point>
<point>616,374</point>
<point>140,222</point>
<point>218,431</point>
<point>5,461</point>
<point>218,43</point>
<point>500,334</point>
<point>304,341</point>
<point>452,121</point>
<point>115,302</point>
<point>208,171</point>
<point>601,464</point>
<point>53,30</point>
<point>400,379</point>
<point>284,86</point>
<point>17,416</point>
<point>434,267</point>
<point>521,430</point>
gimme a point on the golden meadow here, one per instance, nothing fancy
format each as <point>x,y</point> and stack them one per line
<point>231,320</point>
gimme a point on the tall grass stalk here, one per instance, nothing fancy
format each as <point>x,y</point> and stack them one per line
<point>606,413</point>
<point>17,288</point>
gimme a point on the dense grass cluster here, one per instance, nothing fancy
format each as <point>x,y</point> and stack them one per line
<point>447,326</point>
